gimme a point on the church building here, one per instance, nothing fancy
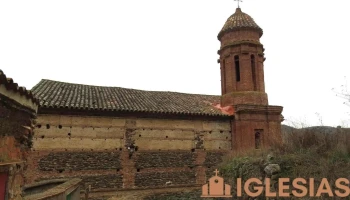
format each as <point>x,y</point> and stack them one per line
<point>116,138</point>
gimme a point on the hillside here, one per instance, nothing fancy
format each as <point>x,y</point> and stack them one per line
<point>312,152</point>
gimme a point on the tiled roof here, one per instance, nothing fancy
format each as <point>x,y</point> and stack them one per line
<point>239,20</point>
<point>54,94</point>
<point>10,85</point>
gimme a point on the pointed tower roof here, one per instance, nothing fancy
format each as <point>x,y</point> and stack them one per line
<point>239,20</point>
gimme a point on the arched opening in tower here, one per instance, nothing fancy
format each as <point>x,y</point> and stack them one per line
<point>223,76</point>
<point>238,73</point>
<point>257,140</point>
<point>252,61</point>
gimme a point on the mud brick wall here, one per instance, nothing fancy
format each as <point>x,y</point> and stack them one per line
<point>77,161</point>
<point>17,120</point>
<point>164,159</point>
<point>95,149</point>
<point>160,179</point>
<point>59,132</point>
<point>15,138</point>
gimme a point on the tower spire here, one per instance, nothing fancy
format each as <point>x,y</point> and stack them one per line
<point>238,2</point>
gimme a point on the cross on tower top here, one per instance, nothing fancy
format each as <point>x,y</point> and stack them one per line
<point>216,172</point>
<point>238,2</point>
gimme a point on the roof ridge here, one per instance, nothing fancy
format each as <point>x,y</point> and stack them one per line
<point>100,86</point>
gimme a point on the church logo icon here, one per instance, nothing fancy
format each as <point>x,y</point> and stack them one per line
<point>216,187</point>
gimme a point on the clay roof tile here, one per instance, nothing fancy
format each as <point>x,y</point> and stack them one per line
<point>11,85</point>
<point>239,20</point>
<point>88,97</point>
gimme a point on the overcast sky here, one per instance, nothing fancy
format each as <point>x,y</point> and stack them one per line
<point>168,45</point>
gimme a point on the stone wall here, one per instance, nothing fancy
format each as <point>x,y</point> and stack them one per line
<point>169,152</point>
<point>164,159</point>
<point>77,161</point>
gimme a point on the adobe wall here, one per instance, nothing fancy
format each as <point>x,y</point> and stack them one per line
<point>94,149</point>
<point>17,118</point>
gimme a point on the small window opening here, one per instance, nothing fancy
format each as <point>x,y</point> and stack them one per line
<point>69,134</point>
<point>223,77</point>
<point>252,60</point>
<point>39,126</point>
<point>257,140</point>
<point>238,73</point>
<point>60,126</point>
<point>47,126</point>
<point>131,149</point>
<point>138,170</point>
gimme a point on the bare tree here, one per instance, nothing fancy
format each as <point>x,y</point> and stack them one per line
<point>343,93</point>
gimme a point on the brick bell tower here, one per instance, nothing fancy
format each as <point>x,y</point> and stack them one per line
<point>256,124</point>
